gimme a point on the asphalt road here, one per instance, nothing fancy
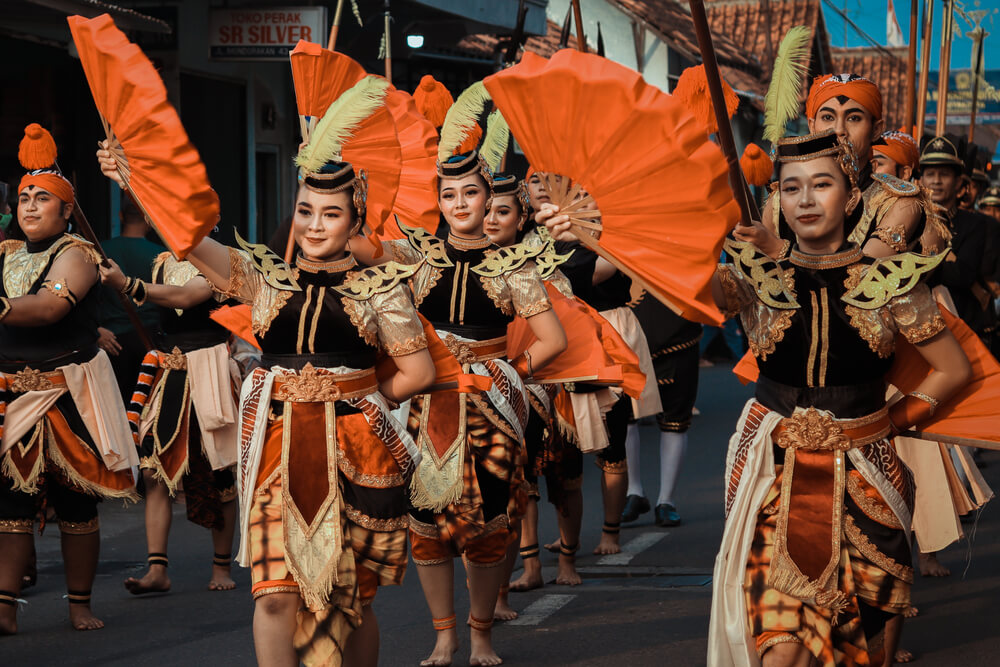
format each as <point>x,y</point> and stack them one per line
<point>649,607</point>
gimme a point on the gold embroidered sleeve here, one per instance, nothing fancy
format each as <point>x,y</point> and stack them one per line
<point>736,289</point>
<point>244,280</point>
<point>527,291</point>
<point>916,314</point>
<point>403,252</point>
<point>559,280</point>
<point>400,331</point>
<point>897,226</point>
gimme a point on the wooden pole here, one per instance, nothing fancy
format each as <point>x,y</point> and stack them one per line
<point>581,41</point>
<point>977,36</point>
<point>925,62</point>
<point>952,440</point>
<point>947,22</point>
<point>335,28</point>
<point>388,45</point>
<point>748,207</point>
<point>911,70</point>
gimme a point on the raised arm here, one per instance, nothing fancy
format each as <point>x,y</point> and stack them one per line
<point>192,293</point>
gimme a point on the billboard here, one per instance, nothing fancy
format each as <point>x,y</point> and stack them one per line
<point>960,98</point>
<point>263,33</point>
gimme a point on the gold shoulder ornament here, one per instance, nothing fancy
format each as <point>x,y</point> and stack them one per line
<point>549,260</point>
<point>366,283</point>
<point>897,186</point>
<point>275,271</point>
<point>428,245</point>
<point>763,273</point>
<point>504,260</point>
<point>890,277</point>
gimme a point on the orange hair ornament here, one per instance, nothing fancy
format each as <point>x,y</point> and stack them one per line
<point>756,165</point>
<point>692,91</point>
<point>37,151</point>
<point>433,100</point>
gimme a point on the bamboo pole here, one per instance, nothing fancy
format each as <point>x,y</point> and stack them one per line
<point>388,45</point>
<point>952,440</point>
<point>978,36</point>
<point>925,61</point>
<point>748,207</point>
<point>581,41</point>
<point>947,23</point>
<point>911,70</point>
<point>335,28</point>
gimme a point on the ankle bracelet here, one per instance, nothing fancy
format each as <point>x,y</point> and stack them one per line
<point>446,623</point>
<point>479,624</point>
<point>157,558</point>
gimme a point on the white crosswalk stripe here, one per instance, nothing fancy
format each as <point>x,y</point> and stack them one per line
<point>540,609</point>
<point>631,549</point>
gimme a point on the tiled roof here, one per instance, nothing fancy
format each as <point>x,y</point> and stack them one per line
<point>886,71</point>
<point>485,46</point>
<point>745,23</point>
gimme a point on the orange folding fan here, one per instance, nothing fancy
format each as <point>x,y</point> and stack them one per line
<point>416,201</point>
<point>156,160</point>
<point>660,185</point>
<point>320,77</point>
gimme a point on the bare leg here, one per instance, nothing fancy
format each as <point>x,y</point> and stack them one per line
<point>503,611</point>
<point>361,648</point>
<point>222,542</point>
<point>930,566</point>
<point>532,576</point>
<point>613,487</point>
<point>893,633</point>
<point>158,518</point>
<point>484,582</point>
<point>273,629</point>
<point>80,554</point>
<point>570,518</point>
<point>788,655</point>
<point>16,549</point>
<point>438,582</point>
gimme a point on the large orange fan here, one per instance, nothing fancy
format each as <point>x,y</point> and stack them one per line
<point>156,160</point>
<point>416,202</point>
<point>660,185</point>
<point>320,77</point>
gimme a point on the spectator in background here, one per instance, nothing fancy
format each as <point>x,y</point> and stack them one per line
<point>989,203</point>
<point>5,213</point>
<point>135,254</point>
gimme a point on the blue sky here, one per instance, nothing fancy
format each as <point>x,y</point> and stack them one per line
<point>870,16</point>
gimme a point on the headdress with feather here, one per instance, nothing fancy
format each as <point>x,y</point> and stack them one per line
<point>456,160</point>
<point>782,102</point>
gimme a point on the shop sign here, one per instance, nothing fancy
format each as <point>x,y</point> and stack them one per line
<point>263,33</point>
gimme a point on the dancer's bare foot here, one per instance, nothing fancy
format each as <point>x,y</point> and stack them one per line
<point>503,611</point>
<point>481,649</point>
<point>902,655</point>
<point>930,566</point>
<point>155,581</point>
<point>553,546</point>
<point>221,579</point>
<point>444,649</point>
<point>82,618</point>
<point>608,544</point>
<point>8,619</point>
<point>911,612</point>
<point>567,574</point>
<point>530,579</point>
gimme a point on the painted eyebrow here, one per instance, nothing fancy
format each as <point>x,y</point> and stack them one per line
<point>847,110</point>
<point>822,175</point>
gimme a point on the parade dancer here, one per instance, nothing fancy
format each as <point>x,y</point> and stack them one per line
<point>816,441</point>
<point>550,451</point>
<point>323,464</point>
<point>66,442</point>
<point>187,428</point>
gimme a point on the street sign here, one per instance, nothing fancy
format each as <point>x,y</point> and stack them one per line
<point>960,99</point>
<point>263,33</point>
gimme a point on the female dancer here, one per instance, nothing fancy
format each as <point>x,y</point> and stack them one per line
<point>549,450</point>
<point>323,464</point>
<point>463,491</point>
<point>187,431</point>
<point>65,436</point>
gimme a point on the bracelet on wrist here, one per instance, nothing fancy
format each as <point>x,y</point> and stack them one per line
<point>4,307</point>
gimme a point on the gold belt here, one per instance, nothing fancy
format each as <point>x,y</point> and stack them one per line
<point>317,385</point>
<point>472,351</point>
<point>31,380</point>
<point>815,431</point>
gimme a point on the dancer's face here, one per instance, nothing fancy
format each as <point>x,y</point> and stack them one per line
<point>41,214</point>
<point>851,120</point>
<point>883,164</point>
<point>504,220</point>
<point>537,193</point>
<point>815,199</point>
<point>463,204</point>
<point>323,223</point>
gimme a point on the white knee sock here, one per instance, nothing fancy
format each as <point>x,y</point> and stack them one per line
<point>672,448</point>
<point>632,457</point>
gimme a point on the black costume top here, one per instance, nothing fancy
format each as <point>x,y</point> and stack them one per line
<point>823,327</point>
<point>974,243</point>
<point>25,266</point>
<point>328,314</point>
<point>191,328</point>
<point>472,289</point>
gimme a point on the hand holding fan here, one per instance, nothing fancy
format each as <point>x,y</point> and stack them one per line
<point>659,185</point>
<point>157,162</point>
